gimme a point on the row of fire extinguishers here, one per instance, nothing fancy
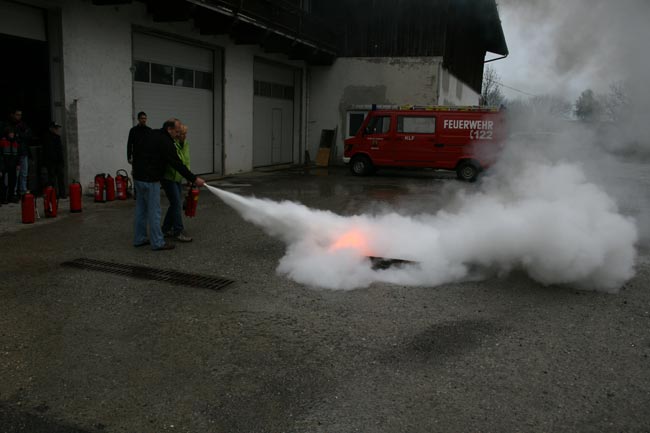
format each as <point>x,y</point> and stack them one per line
<point>105,190</point>
<point>109,189</point>
<point>50,203</point>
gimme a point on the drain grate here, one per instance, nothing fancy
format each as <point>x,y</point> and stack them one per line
<point>147,273</point>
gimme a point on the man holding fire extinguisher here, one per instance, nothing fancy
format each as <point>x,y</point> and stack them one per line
<point>172,185</point>
<point>151,156</point>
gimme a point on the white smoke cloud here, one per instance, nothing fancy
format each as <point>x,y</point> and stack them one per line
<point>533,213</point>
<point>564,47</point>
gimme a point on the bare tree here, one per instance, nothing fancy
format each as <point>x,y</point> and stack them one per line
<point>491,93</point>
<point>616,102</point>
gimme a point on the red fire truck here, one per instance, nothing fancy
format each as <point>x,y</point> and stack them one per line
<point>464,139</point>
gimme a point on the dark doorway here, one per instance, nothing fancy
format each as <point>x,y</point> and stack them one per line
<point>25,85</point>
<point>25,80</point>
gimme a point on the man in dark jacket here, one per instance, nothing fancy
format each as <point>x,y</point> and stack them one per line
<point>136,134</point>
<point>150,159</point>
<point>23,136</point>
<point>53,159</point>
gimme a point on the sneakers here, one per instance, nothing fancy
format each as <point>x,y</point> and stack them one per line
<point>182,237</point>
<point>165,246</point>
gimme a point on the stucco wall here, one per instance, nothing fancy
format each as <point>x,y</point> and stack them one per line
<point>238,116</point>
<point>97,82</point>
<point>365,81</point>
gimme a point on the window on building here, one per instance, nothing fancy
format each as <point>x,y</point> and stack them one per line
<point>272,90</point>
<point>162,74</point>
<point>416,124</point>
<point>183,77</point>
<point>355,120</point>
<point>203,80</point>
<point>378,125</point>
<point>141,71</point>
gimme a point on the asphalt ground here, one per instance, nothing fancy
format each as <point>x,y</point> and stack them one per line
<point>84,351</point>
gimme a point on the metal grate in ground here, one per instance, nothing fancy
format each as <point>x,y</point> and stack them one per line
<point>148,273</point>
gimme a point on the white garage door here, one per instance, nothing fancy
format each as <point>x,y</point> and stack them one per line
<point>173,79</point>
<point>273,114</point>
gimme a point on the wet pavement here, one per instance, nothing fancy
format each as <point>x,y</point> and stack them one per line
<point>85,351</point>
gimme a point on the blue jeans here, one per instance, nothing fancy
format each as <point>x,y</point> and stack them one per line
<point>173,218</point>
<point>147,211</point>
<point>21,186</point>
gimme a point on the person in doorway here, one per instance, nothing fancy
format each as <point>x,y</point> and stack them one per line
<point>136,134</point>
<point>9,149</point>
<point>24,138</point>
<point>172,184</point>
<point>53,159</point>
<point>150,159</point>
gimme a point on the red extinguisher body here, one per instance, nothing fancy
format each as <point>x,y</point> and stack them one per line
<point>100,184</point>
<point>110,188</point>
<point>75,194</point>
<point>28,208</point>
<point>191,201</point>
<point>121,184</point>
<point>50,202</point>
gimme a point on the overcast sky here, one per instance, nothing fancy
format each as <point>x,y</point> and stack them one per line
<point>565,46</point>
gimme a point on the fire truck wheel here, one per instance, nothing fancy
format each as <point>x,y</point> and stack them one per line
<point>467,171</point>
<point>361,165</point>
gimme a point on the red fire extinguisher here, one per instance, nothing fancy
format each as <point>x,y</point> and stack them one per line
<point>100,183</point>
<point>50,201</point>
<point>28,207</point>
<point>121,184</point>
<point>192,201</point>
<point>75,196</point>
<point>110,188</point>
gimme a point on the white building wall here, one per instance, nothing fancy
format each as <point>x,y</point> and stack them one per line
<point>97,76</point>
<point>364,81</point>
<point>97,56</point>
<point>238,115</point>
<point>455,92</point>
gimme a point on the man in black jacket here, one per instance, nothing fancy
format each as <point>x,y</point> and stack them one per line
<point>53,159</point>
<point>150,158</point>
<point>136,134</point>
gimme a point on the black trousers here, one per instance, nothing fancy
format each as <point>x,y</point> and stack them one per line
<point>55,178</point>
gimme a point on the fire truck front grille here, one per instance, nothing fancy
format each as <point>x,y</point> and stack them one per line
<point>148,273</point>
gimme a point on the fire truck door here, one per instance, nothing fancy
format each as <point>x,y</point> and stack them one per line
<point>379,139</point>
<point>416,140</point>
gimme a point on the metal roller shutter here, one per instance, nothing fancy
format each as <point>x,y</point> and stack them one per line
<point>173,79</point>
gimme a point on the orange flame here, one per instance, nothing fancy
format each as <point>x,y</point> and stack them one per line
<point>352,240</point>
